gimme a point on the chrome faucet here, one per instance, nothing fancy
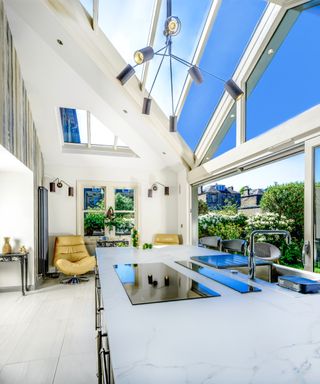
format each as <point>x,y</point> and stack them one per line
<point>251,259</point>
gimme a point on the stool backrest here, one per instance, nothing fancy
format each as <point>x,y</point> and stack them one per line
<point>235,245</point>
<point>210,242</point>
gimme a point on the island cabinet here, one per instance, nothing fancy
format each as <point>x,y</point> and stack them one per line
<point>269,335</point>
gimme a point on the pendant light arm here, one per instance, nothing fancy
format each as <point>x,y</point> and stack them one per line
<point>188,64</point>
<point>169,8</point>
<point>158,70</point>
<point>171,79</point>
<point>159,50</point>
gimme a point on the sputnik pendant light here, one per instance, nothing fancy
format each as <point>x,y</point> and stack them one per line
<point>172,27</point>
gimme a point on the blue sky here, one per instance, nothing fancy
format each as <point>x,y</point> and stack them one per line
<point>281,172</point>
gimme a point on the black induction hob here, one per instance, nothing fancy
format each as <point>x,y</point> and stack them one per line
<point>157,282</point>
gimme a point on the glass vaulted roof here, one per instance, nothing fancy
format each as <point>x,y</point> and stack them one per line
<point>128,25</point>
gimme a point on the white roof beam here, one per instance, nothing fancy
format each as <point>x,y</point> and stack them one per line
<point>288,137</point>
<point>95,13</point>
<point>151,38</point>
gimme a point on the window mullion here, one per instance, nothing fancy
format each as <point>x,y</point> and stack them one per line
<point>89,129</point>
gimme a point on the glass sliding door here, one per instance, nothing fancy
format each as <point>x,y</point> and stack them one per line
<point>312,206</point>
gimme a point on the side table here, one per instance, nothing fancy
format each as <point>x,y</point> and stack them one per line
<point>23,258</point>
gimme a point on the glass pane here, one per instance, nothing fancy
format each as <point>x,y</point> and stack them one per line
<point>94,198</point>
<point>267,197</point>
<point>317,210</point>
<point>126,23</point>
<point>124,223</point>
<point>124,199</point>
<point>100,135</point>
<point>88,5</point>
<point>192,15</point>
<point>228,142</point>
<point>74,125</point>
<point>229,36</point>
<point>286,80</point>
<point>228,137</point>
<point>93,223</point>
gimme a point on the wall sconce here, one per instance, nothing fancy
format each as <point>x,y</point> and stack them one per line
<point>59,183</point>
<point>154,187</point>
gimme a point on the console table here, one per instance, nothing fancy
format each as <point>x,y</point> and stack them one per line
<point>112,243</point>
<point>23,258</point>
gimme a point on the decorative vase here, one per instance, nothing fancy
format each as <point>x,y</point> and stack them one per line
<point>6,247</point>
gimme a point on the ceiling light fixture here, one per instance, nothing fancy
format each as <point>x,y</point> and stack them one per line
<point>59,183</point>
<point>172,27</point>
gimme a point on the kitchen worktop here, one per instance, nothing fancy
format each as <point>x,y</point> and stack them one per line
<point>272,336</point>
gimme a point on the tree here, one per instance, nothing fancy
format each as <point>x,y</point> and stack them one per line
<point>123,203</point>
<point>202,207</point>
<point>286,200</point>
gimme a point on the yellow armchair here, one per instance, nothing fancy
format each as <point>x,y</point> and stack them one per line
<point>166,239</point>
<point>72,258</point>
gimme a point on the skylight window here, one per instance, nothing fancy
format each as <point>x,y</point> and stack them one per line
<point>82,129</point>
<point>126,23</point>
<point>229,36</point>
<point>88,5</point>
<point>193,15</point>
<point>99,134</point>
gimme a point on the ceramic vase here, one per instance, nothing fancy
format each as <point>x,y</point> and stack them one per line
<point>6,247</point>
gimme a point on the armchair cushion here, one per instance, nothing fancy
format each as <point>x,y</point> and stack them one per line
<point>71,256</point>
<point>166,239</point>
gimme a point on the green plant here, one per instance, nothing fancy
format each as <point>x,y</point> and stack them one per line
<point>93,221</point>
<point>147,246</point>
<point>227,231</point>
<point>291,254</point>
<point>135,238</point>
<point>122,222</point>
<point>123,203</point>
<point>230,209</point>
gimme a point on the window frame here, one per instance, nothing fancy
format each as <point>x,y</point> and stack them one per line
<point>89,148</point>
<point>110,187</point>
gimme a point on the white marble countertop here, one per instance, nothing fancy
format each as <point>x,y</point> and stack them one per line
<point>268,337</point>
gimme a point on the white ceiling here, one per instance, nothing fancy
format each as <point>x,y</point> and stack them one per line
<point>81,75</point>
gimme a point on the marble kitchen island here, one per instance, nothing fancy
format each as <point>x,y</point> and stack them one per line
<point>272,336</point>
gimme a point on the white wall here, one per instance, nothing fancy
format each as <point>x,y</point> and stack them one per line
<point>16,222</point>
<point>158,214</point>
<point>184,206</point>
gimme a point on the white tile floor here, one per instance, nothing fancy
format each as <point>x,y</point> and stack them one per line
<point>48,336</point>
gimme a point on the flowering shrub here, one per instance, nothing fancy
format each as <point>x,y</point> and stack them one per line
<point>213,224</point>
<point>268,220</point>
